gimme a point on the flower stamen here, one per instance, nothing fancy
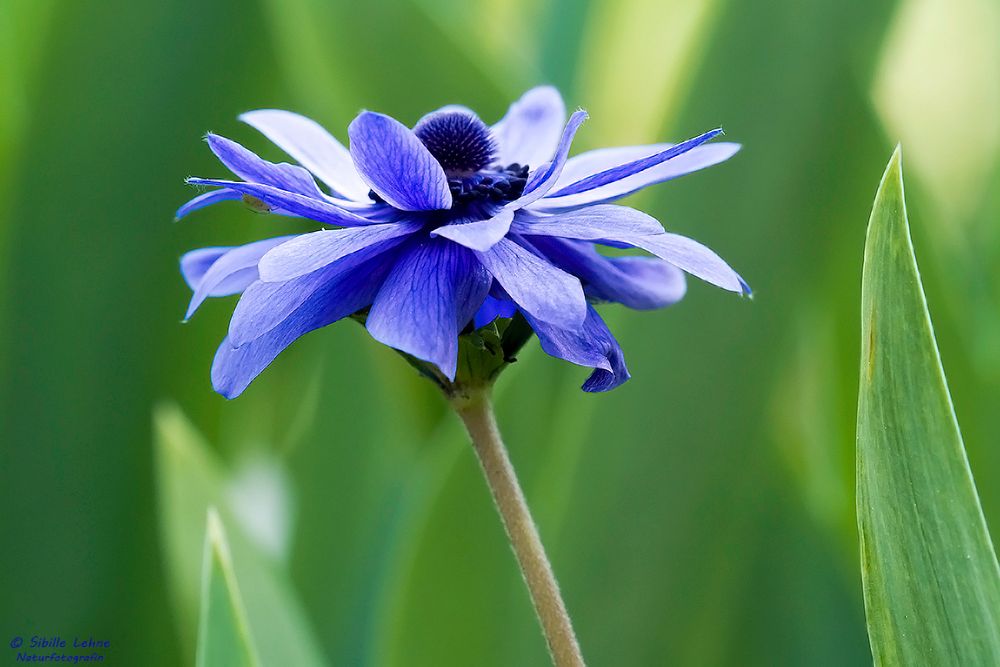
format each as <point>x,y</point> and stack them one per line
<point>499,186</point>
<point>458,140</point>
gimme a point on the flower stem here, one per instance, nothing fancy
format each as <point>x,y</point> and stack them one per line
<point>476,412</point>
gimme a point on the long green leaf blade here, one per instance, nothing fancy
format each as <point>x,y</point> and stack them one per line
<point>224,637</point>
<point>931,581</point>
<point>192,480</point>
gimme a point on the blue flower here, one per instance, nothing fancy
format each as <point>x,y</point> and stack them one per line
<point>445,227</point>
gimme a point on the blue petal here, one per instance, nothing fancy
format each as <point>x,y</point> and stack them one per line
<point>621,225</point>
<point>634,167</point>
<point>248,166</point>
<point>592,163</point>
<point>391,160</point>
<point>229,273</point>
<point>448,108</point>
<point>539,288</point>
<point>292,203</point>
<point>492,309</point>
<point>310,252</point>
<point>595,161</point>
<point>235,368</point>
<point>529,133</point>
<point>693,257</point>
<point>430,295</point>
<point>206,199</point>
<point>591,345</point>
<point>264,306</point>
<point>313,147</point>
<point>480,234</point>
<point>590,223</point>
<point>643,283</point>
<point>195,263</point>
<point>544,177</point>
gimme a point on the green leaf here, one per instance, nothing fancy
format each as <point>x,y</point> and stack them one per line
<point>191,480</point>
<point>931,580</point>
<point>224,637</point>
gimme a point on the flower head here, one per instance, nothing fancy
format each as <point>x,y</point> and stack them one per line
<point>449,227</point>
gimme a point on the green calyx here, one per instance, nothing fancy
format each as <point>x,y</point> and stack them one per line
<point>482,355</point>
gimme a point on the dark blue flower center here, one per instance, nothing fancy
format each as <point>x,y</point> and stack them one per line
<point>482,194</point>
<point>459,140</point>
<point>499,185</point>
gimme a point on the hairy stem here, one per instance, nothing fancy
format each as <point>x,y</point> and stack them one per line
<point>476,412</point>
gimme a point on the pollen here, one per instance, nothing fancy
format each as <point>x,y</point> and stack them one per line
<point>458,140</point>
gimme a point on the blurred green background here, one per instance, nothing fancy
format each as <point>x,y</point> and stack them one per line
<point>702,514</point>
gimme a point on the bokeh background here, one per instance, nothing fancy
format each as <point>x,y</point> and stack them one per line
<point>702,514</point>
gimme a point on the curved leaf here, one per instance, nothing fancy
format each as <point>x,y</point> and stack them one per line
<point>224,636</point>
<point>191,479</point>
<point>931,580</point>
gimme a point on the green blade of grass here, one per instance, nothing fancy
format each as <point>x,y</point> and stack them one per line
<point>191,479</point>
<point>931,580</point>
<point>224,636</point>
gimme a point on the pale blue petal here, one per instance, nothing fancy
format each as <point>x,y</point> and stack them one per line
<point>291,203</point>
<point>206,199</point>
<point>309,252</point>
<point>623,171</point>
<point>480,234</point>
<point>230,273</point>
<point>604,221</point>
<point>621,225</point>
<point>263,306</point>
<point>235,368</point>
<point>542,179</point>
<point>195,263</point>
<point>643,283</point>
<point>248,166</point>
<point>693,257</point>
<point>313,147</point>
<point>547,293</point>
<point>529,133</point>
<point>593,162</point>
